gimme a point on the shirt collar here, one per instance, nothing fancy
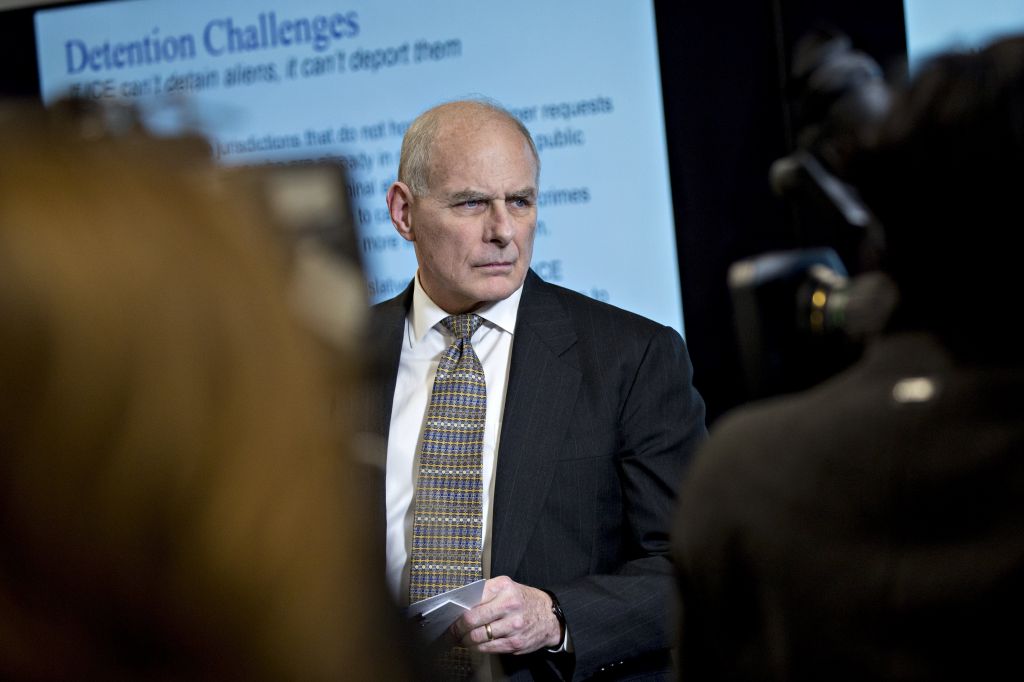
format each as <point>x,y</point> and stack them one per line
<point>425,314</point>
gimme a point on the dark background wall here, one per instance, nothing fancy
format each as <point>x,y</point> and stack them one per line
<point>729,115</point>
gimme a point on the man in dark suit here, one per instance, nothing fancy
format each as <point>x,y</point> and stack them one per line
<point>872,528</point>
<point>591,415</point>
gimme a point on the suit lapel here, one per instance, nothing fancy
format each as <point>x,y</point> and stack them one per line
<point>544,378</point>
<point>386,330</point>
<point>383,352</point>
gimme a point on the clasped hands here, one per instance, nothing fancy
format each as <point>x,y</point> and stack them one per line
<point>510,619</point>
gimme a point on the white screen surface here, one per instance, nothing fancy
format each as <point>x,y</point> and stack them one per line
<point>935,26</point>
<point>264,84</point>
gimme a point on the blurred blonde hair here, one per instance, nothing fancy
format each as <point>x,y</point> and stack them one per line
<point>174,496</point>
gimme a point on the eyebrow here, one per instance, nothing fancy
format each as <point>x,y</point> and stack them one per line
<point>524,193</point>
<point>472,194</point>
<point>467,195</point>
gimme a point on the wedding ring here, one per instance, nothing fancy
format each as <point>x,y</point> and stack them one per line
<point>490,635</point>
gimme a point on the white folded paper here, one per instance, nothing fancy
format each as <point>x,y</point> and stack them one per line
<point>433,615</point>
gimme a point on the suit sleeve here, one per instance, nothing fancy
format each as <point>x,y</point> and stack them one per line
<point>622,620</point>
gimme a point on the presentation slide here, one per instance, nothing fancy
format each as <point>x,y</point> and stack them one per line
<point>939,25</point>
<point>329,80</point>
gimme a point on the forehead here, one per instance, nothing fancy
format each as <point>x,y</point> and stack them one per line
<point>490,154</point>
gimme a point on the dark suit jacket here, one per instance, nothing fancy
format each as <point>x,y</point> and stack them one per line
<point>600,420</point>
<point>845,534</point>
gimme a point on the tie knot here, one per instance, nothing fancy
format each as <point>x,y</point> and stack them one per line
<point>463,325</point>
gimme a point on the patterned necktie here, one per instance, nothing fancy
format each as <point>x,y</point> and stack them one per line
<point>447,539</point>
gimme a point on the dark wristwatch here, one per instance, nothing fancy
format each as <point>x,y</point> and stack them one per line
<point>556,609</point>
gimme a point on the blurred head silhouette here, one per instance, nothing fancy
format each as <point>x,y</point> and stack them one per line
<point>174,502</point>
<point>944,178</point>
<point>870,527</point>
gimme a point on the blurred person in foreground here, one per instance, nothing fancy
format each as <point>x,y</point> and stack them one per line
<point>174,501</point>
<point>872,528</point>
<point>574,421</point>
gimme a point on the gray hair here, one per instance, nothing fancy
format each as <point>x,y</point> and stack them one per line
<point>414,165</point>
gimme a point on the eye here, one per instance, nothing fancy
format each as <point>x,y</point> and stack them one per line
<point>520,202</point>
<point>471,204</point>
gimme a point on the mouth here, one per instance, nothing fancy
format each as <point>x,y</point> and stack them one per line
<point>496,266</point>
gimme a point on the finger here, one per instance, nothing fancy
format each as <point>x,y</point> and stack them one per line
<point>504,641</point>
<point>483,639</point>
<point>501,598</point>
<point>459,630</point>
<point>494,607</point>
<point>483,634</point>
<point>474,620</point>
<point>495,585</point>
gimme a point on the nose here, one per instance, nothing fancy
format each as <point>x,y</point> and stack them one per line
<point>500,225</point>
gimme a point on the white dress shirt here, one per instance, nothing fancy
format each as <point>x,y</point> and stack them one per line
<point>424,340</point>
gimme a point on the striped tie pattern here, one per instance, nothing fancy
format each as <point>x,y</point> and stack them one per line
<point>447,535</point>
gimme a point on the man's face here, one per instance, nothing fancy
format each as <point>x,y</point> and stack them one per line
<point>473,230</point>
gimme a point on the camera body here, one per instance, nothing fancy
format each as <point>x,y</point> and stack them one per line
<point>802,315</point>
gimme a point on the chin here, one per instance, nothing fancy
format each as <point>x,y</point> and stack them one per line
<point>495,294</point>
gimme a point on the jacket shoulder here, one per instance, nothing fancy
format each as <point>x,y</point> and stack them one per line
<point>590,312</point>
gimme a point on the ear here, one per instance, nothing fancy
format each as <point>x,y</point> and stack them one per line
<point>400,207</point>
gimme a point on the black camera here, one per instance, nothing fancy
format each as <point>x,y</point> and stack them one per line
<point>803,315</point>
